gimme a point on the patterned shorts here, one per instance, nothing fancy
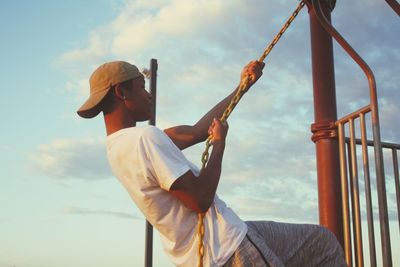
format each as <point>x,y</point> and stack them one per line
<point>246,255</point>
<point>287,245</point>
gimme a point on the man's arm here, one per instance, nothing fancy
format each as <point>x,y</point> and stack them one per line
<point>197,193</point>
<point>186,135</point>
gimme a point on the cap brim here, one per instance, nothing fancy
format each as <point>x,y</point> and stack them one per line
<point>91,107</point>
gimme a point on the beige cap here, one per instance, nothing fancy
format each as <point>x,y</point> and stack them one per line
<point>102,79</point>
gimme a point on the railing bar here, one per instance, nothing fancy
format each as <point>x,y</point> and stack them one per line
<point>370,219</point>
<point>354,114</point>
<point>345,196</point>
<point>356,198</point>
<point>381,190</point>
<point>371,143</point>
<point>351,197</point>
<point>396,181</point>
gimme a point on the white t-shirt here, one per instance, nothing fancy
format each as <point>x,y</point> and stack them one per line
<point>147,162</point>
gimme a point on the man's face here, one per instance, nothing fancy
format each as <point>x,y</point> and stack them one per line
<point>138,100</point>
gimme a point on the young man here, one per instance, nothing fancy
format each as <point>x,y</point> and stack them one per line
<point>170,190</point>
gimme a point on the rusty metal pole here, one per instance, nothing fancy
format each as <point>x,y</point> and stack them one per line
<point>324,129</point>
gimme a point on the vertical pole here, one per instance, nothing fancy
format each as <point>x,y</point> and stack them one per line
<point>324,129</point>
<point>345,196</point>
<point>358,246</point>
<point>148,260</point>
<point>396,181</point>
<point>368,197</point>
<point>153,87</point>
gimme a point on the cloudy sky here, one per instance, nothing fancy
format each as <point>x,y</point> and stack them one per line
<point>61,206</point>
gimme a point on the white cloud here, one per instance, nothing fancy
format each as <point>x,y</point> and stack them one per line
<point>81,86</point>
<point>97,48</point>
<point>66,158</point>
<point>85,211</point>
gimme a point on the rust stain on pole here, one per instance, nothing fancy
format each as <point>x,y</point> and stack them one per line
<point>324,128</point>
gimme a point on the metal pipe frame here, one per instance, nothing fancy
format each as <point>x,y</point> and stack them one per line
<point>148,259</point>
<point>379,164</point>
<point>394,5</point>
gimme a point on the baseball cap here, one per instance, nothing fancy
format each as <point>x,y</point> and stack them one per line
<point>101,81</point>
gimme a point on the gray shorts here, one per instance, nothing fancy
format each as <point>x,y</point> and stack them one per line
<point>246,255</point>
<point>283,244</point>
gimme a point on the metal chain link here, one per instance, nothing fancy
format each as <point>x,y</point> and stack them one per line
<point>241,90</point>
<point>279,35</point>
<point>200,233</point>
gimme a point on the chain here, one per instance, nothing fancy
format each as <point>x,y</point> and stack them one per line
<point>240,91</point>
<point>200,233</point>
<point>280,33</point>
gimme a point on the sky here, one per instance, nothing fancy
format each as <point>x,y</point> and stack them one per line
<point>61,206</point>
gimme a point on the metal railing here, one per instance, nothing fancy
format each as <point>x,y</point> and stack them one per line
<point>352,210</point>
<point>371,108</point>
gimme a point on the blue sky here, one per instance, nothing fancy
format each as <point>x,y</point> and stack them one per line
<point>60,205</point>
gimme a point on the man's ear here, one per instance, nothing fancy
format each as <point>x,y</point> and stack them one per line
<point>119,92</point>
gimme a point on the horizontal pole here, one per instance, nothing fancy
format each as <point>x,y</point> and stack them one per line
<point>371,143</point>
<point>354,114</point>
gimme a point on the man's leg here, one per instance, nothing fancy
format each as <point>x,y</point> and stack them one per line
<point>300,244</point>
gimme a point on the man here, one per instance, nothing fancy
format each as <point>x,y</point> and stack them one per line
<point>170,190</point>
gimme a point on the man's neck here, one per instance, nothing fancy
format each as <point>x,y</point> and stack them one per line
<point>115,122</point>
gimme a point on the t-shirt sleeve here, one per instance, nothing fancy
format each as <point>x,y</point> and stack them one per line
<point>161,158</point>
